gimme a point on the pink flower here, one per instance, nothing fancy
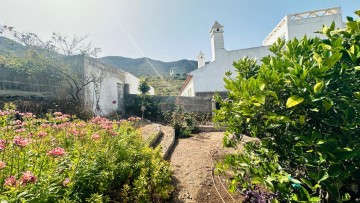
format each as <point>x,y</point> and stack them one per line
<point>42,134</point>
<point>58,114</point>
<point>106,126</point>
<point>20,130</point>
<point>2,165</point>
<point>2,144</point>
<point>27,115</point>
<point>66,182</point>
<point>20,142</point>
<point>45,125</point>
<point>112,133</point>
<point>28,177</point>
<point>95,136</point>
<point>80,125</point>
<point>10,181</point>
<point>56,152</point>
<point>75,132</point>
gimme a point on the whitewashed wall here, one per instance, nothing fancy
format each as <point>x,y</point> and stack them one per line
<point>210,78</point>
<point>299,24</point>
<point>308,26</point>
<point>134,84</point>
<point>107,88</point>
<point>188,91</point>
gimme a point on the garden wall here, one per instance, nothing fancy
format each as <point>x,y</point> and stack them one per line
<point>13,83</point>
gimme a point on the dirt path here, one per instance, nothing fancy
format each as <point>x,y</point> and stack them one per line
<point>192,163</point>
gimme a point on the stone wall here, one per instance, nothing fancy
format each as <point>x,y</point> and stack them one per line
<point>16,83</point>
<point>165,103</point>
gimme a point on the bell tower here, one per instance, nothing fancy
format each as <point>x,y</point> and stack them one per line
<point>217,39</point>
<point>201,60</point>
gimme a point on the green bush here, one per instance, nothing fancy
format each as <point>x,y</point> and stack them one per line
<point>303,103</point>
<point>185,123</point>
<point>58,160</point>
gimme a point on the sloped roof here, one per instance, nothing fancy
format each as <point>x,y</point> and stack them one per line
<point>216,26</point>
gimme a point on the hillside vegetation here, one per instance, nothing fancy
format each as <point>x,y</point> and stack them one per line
<point>167,86</point>
<point>149,67</point>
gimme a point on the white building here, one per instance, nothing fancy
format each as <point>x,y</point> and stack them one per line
<point>208,79</point>
<point>106,94</point>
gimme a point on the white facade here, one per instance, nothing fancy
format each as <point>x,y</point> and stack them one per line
<point>306,23</point>
<point>208,79</point>
<point>106,95</point>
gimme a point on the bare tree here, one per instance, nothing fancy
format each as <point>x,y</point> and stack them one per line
<point>52,56</point>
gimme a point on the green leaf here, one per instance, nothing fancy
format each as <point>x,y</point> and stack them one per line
<point>357,13</point>
<point>318,86</point>
<point>315,110</point>
<point>256,180</point>
<point>320,142</point>
<point>273,94</point>
<point>315,199</point>
<point>257,104</point>
<point>302,119</point>
<point>325,176</point>
<point>317,58</point>
<point>261,86</point>
<point>326,30</point>
<point>349,18</point>
<point>260,99</point>
<point>346,197</point>
<point>293,101</point>
<point>357,95</point>
<point>357,68</point>
<point>304,194</point>
<point>327,105</point>
<point>243,165</point>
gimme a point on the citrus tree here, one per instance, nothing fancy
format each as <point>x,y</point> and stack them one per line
<point>303,102</point>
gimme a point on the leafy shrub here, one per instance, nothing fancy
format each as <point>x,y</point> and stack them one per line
<point>144,102</point>
<point>144,86</point>
<point>303,103</point>
<point>183,122</point>
<point>58,160</point>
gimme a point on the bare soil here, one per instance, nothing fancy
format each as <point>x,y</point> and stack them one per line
<point>193,161</point>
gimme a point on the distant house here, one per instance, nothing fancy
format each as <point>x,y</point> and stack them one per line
<point>106,95</point>
<point>208,78</point>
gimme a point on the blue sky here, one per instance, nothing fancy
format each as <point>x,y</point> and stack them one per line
<point>160,29</point>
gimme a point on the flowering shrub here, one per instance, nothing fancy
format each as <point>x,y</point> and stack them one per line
<point>61,159</point>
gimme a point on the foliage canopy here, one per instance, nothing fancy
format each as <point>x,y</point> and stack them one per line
<point>303,102</point>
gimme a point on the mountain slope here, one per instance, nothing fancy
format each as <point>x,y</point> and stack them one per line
<point>149,67</point>
<point>138,67</point>
<point>8,46</point>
